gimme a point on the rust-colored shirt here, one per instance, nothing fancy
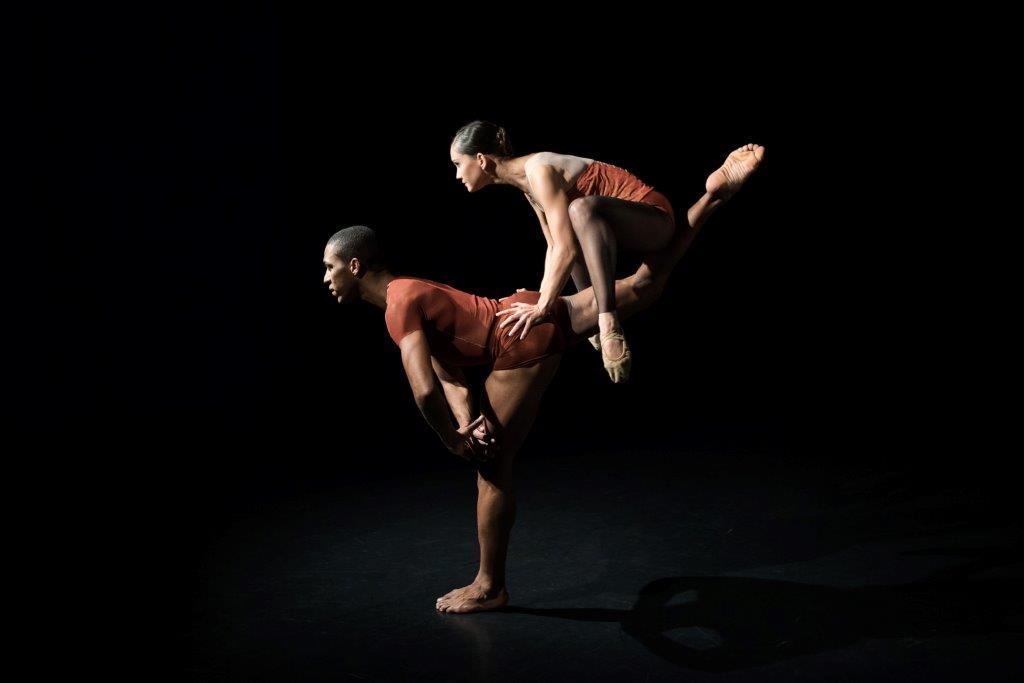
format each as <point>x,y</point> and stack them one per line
<point>461,328</point>
<point>457,324</point>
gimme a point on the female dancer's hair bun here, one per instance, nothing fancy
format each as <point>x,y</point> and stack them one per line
<point>501,140</point>
<point>482,137</point>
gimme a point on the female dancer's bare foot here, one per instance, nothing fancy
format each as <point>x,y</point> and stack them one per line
<point>738,166</point>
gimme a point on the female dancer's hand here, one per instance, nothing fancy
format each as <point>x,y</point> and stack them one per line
<point>522,317</point>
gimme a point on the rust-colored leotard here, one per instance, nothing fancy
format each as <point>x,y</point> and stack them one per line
<point>611,181</point>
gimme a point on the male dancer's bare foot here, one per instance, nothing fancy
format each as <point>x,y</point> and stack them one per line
<point>738,166</point>
<point>476,597</point>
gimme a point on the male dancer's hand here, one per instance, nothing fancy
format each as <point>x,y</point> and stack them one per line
<point>484,442</point>
<point>463,444</point>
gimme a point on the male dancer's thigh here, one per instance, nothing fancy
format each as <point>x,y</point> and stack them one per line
<point>511,399</point>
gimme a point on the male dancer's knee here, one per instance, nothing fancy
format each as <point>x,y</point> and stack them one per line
<point>495,476</point>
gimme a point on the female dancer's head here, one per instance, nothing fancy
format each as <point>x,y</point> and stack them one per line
<point>476,150</point>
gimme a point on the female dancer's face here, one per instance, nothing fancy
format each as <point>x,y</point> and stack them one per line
<point>469,168</point>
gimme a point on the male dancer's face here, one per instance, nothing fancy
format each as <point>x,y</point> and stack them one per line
<point>468,169</point>
<point>339,278</point>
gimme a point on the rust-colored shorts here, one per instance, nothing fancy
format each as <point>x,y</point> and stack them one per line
<point>542,341</point>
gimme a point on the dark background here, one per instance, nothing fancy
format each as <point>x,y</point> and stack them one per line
<point>199,159</point>
<point>209,156</point>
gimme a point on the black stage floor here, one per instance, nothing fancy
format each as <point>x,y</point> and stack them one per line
<point>624,566</point>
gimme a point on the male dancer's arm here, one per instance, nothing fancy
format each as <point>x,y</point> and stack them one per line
<point>429,398</point>
<point>456,390</point>
<point>460,400</point>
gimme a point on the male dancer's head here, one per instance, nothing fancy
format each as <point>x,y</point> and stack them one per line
<point>354,266</point>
